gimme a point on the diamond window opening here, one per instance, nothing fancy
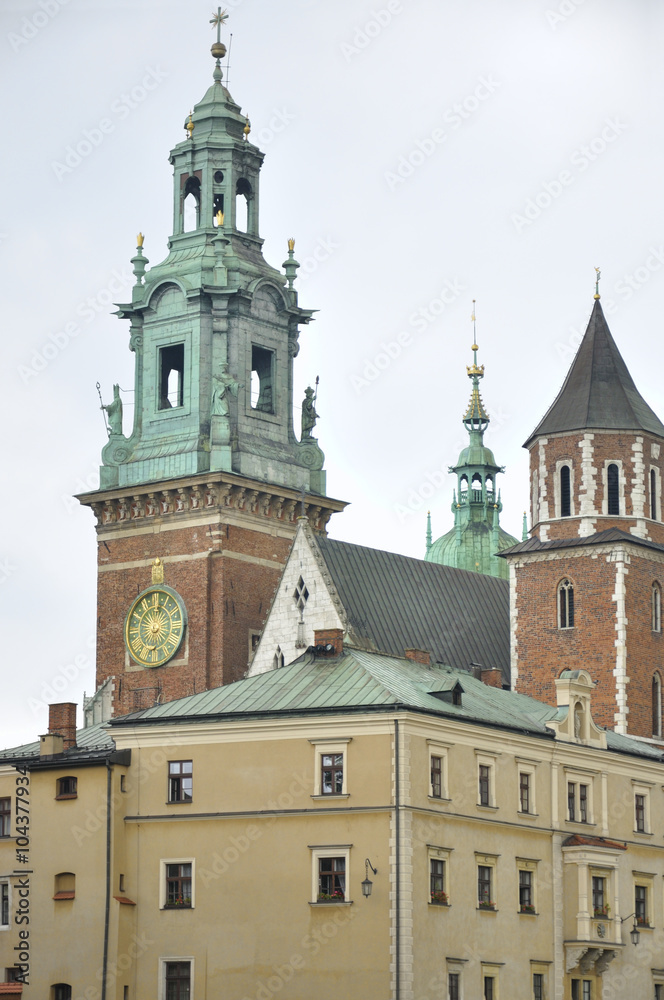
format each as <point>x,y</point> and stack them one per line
<point>301,594</point>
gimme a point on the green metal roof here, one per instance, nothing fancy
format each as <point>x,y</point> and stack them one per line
<point>359,680</point>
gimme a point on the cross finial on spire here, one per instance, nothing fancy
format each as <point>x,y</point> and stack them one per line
<point>217,20</point>
<point>599,275</point>
<point>218,49</point>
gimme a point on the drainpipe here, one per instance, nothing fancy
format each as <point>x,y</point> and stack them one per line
<point>107,912</point>
<point>397,833</point>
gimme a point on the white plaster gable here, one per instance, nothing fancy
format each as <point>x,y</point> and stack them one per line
<point>323,609</point>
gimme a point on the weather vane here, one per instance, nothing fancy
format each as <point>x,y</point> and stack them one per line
<point>599,275</point>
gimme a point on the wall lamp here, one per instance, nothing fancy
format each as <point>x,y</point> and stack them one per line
<point>635,934</point>
<point>367,884</point>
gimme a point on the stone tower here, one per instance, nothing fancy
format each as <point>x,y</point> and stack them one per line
<point>198,503</point>
<point>476,538</point>
<point>586,586</point>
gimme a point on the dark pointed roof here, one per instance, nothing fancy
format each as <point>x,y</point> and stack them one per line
<point>599,391</point>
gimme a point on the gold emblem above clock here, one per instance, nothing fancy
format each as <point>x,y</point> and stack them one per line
<point>155,624</point>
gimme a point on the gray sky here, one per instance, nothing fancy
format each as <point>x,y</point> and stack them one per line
<point>421,153</point>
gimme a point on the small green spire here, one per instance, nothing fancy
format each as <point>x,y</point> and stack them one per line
<point>524,533</point>
<point>429,535</point>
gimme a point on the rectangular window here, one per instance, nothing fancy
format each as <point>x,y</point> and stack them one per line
<point>659,991</point>
<point>485,785</point>
<point>12,974</point>
<point>171,376</point>
<point>640,813</point>
<point>576,989</point>
<point>583,803</point>
<point>489,992</point>
<point>484,886</point>
<point>526,892</point>
<point>587,989</point>
<point>331,879</point>
<point>436,777</point>
<point>524,792</point>
<point>4,904</point>
<point>538,986</point>
<point>178,980</point>
<point>437,881</point>
<point>180,781</point>
<point>641,904</point>
<point>67,788</point>
<point>178,885</point>
<point>453,986</point>
<point>599,897</point>
<point>62,991</point>
<point>262,374</point>
<point>332,774</point>
<point>571,801</point>
<point>5,816</point>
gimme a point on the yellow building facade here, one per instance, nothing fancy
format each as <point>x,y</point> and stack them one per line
<point>222,845</point>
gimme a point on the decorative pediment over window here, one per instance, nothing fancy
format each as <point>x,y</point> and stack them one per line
<point>574,722</point>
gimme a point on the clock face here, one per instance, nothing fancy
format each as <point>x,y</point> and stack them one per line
<point>154,626</point>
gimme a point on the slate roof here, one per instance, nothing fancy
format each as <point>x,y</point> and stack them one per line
<point>359,680</point>
<point>395,602</point>
<point>599,391</point>
<point>597,538</point>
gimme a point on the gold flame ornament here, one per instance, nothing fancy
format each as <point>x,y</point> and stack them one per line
<point>220,218</point>
<point>140,240</point>
<point>291,244</point>
<point>157,571</point>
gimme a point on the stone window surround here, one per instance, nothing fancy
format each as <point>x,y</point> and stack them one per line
<point>330,746</point>
<point>578,776</point>
<point>557,500</point>
<point>487,861</point>
<point>163,862</point>
<point>487,759</point>
<point>441,750</point>
<point>647,880</point>
<point>528,865</point>
<point>621,487</point>
<point>319,851</point>
<point>436,853</point>
<point>163,961</point>
<point>526,766</point>
<point>492,970</point>
<point>643,788</point>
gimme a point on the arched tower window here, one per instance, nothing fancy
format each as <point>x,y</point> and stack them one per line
<point>243,195</point>
<point>565,492</point>
<point>653,494</point>
<point>612,490</point>
<point>565,604</point>
<point>476,486</point>
<point>656,608</point>
<point>191,204</point>
<point>278,658</point>
<point>656,705</point>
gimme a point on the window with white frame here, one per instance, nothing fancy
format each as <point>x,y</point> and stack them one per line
<point>330,873</point>
<point>486,779</point>
<point>641,807</point>
<point>177,884</point>
<point>644,884</point>
<point>439,867</point>
<point>486,880</point>
<point>527,884</point>
<point>599,884</point>
<point>579,797</point>
<point>330,768</point>
<point>438,787</point>
<point>177,978</point>
<point>526,779</point>
<point>565,595</point>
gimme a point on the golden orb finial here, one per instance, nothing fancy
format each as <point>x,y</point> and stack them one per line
<point>189,125</point>
<point>247,127</point>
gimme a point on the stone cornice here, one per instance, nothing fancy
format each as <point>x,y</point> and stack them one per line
<point>206,493</point>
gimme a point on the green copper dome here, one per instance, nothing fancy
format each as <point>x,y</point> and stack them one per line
<point>476,538</point>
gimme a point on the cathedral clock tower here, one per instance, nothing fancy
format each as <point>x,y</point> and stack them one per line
<point>198,504</point>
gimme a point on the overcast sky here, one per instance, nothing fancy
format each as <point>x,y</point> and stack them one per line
<point>422,153</point>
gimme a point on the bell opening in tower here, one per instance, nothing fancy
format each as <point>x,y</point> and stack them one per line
<point>171,376</point>
<point>262,365</point>
<point>191,205</point>
<point>242,195</point>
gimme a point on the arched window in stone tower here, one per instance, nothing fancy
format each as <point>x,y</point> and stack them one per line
<point>565,492</point>
<point>656,608</point>
<point>242,197</point>
<point>565,604</point>
<point>612,490</point>
<point>191,204</point>
<point>656,704</point>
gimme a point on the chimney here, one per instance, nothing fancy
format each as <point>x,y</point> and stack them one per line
<point>419,656</point>
<point>50,745</point>
<point>329,637</point>
<point>493,677</point>
<point>62,722</point>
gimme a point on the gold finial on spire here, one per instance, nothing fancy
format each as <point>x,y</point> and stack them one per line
<point>291,244</point>
<point>599,275</point>
<point>189,125</point>
<point>157,571</point>
<point>474,347</point>
<point>247,127</point>
<point>218,49</point>
<point>140,240</point>
<point>474,369</point>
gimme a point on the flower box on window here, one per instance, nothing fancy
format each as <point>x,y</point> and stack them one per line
<point>179,902</point>
<point>485,904</point>
<point>527,908</point>
<point>602,911</point>
<point>336,897</point>
<point>439,898</point>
